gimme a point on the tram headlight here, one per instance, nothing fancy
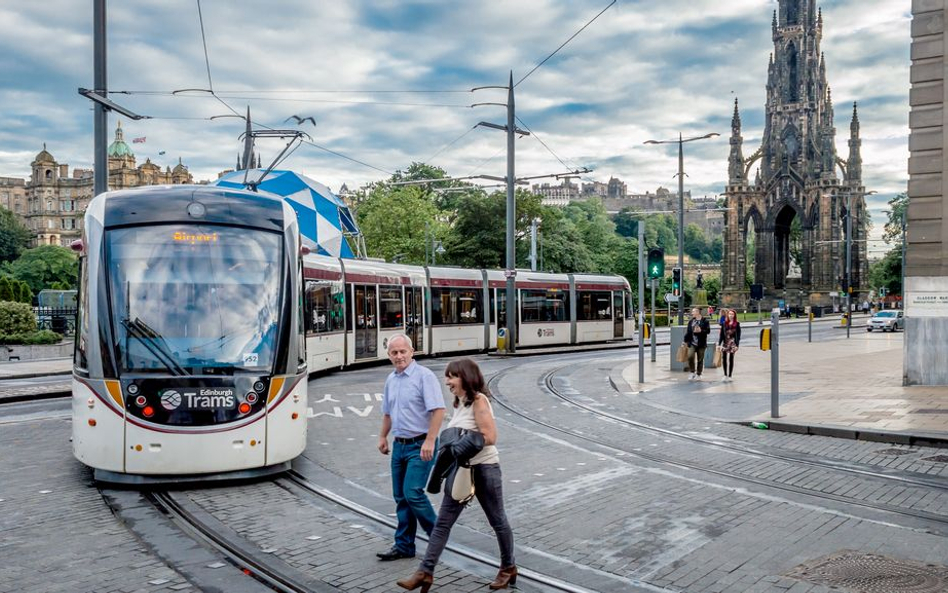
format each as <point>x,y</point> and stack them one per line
<point>140,401</point>
<point>259,386</point>
<point>251,398</point>
<point>132,389</point>
<point>148,412</point>
<point>244,408</point>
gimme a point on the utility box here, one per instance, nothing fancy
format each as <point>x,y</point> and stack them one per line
<point>677,336</point>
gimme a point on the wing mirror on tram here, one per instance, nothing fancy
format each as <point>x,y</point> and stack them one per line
<point>305,250</point>
<point>78,246</point>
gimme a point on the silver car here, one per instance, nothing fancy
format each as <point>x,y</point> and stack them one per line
<point>887,321</point>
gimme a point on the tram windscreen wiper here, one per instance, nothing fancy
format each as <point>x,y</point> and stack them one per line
<point>155,344</point>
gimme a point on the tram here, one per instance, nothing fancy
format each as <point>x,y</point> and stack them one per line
<point>353,307</point>
<point>190,353</point>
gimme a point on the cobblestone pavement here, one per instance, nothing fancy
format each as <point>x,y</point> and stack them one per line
<point>56,534</point>
<point>603,508</point>
<point>610,515</point>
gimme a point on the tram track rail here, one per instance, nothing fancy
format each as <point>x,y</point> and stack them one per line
<point>929,520</point>
<point>268,571</point>
<point>801,459</point>
<point>526,575</point>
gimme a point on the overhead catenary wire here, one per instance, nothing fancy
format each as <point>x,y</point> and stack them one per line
<point>550,150</point>
<point>571,37</point>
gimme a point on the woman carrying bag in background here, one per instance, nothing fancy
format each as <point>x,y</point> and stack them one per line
<point>728,341</point>
<point>472,412</point>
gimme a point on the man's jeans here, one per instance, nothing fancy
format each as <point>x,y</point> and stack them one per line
<point>696,353</point>
<point>409,476</point>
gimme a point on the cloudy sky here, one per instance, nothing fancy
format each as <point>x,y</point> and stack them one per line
<point>388,83</point>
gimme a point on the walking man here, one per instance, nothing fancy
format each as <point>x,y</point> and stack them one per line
<point>412,410</point>
<point>696,338</point>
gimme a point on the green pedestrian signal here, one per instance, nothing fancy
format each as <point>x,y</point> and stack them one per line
<point>656,262</point>
<point>676,282</point>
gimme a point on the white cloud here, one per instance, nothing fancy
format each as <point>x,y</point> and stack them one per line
<point>643,70</point>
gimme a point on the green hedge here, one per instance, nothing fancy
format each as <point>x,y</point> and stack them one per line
<point>43,336</point>
<point>16,318</point>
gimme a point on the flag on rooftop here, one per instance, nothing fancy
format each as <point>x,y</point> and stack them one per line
<point>138,140</point>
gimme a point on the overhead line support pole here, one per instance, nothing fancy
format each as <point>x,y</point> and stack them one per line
<point>101,117</point>
<point>511,223</point>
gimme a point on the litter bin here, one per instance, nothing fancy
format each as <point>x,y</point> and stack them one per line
<point>58,324</point>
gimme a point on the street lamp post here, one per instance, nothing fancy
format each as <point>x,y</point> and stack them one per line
<point>681,204</point>
<point>849,258</point>
<point>849,262</point>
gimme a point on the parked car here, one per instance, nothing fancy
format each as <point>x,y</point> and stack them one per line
<point>887,321</point>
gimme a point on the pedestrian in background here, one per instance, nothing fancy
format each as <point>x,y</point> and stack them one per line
<point>728,341</point>
<point>412,410</point>
<point>696,338</point>
<point>472,411</point>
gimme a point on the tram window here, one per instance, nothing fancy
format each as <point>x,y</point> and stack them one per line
<point>544,305</point>
<point>629,314</point>
<point>456,306</point>
<point>390,303</point>
<point>594,305</point>
<point>82,332</point>
<point>324,306</point>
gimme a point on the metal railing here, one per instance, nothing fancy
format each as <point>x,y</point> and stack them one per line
<point>58,319</point>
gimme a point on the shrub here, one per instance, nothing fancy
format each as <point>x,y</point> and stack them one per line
<point>43,336</point>
<point>16,318</point>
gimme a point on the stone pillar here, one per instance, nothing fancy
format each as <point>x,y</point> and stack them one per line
<point>926,269</point>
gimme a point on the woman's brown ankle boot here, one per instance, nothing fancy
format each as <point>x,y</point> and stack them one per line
<point>506,576</point>
<point>419,579</point>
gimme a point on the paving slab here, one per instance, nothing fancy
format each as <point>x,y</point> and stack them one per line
<point>848,388</point>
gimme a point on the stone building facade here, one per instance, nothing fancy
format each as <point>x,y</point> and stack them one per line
<point>793,210</point>
<point>926,248</point>
<point>52,202</point>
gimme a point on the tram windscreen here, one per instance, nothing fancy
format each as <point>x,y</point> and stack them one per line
<point>194,299</point>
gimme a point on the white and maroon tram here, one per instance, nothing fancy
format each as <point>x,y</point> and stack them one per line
<point>190,353</point>
<point>352,307</point>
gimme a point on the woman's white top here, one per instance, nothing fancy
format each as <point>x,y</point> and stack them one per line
<point>463,417</point>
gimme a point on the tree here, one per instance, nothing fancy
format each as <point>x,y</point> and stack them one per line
<point>627,223</point>
<point>563,249</point>
<point>41,266</point>
<point>893,227</point>
<point>478,237</point>
<point>6,289</point>
<point>887,272</point>
<point>25,295</point>
<point>696,246</point>
<point>393,222</point>
<point>597,232</point>
<point>14,237</point>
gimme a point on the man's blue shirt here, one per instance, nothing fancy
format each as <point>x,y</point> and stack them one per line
<point>409,398</point>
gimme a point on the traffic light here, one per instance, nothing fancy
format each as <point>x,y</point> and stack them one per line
<point>676,282</point>
<point>656,262</point>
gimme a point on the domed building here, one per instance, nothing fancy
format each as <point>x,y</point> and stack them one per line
<point>56,201</point>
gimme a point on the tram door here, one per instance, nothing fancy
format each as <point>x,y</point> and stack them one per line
<point>366,322</point>
<point>414,315</point>
<point>618,317</point>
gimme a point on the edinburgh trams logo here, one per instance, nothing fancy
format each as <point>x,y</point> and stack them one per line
<point>170,400</point>
<point>199,399</point>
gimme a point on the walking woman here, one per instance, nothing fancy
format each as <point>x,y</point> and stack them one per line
<point>728,341</point>
<point>472,411</point>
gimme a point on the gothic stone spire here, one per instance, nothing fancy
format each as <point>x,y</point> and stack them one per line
<point>736,158</point>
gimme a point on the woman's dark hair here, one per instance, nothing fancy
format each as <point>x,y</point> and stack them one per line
<point>472,381</point>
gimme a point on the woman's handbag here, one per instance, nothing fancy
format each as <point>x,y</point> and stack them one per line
<point>682,355</point>
<point>717,357</point>
<point>462,489</point>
